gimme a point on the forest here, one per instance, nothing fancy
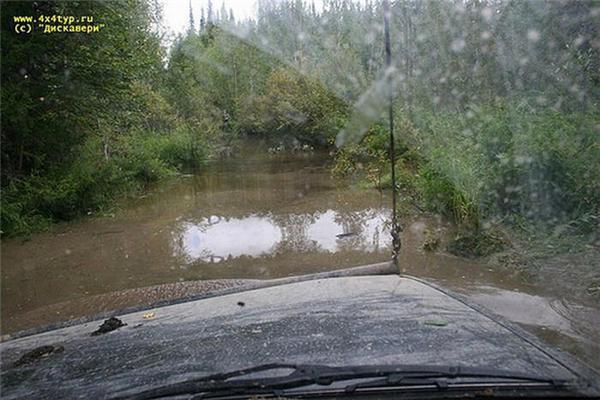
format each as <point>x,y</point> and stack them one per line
<point>495,104</point>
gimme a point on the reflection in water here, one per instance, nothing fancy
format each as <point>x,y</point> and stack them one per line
<point>254,216</point>
<point>215,238</point>
<point>523,308</point>
<point>572,327</point>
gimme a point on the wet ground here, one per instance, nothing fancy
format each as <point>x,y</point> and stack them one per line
<point>257,216</point>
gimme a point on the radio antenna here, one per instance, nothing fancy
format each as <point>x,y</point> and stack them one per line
<point>396,228</point>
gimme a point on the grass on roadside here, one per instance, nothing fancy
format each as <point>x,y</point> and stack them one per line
<point>93,181</point>
<point>534,171</point>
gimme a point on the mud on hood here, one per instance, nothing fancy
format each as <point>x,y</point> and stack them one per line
<point>364,320</point>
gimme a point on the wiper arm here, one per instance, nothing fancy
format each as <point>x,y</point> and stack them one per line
<point>303,375</point>
<point>219,383</point>
<point>439,377</point>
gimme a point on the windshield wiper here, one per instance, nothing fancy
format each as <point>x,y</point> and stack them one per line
<point>232,383</point>
<point>469,375</point>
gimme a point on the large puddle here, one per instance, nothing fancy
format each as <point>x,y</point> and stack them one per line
<point>256,216</point>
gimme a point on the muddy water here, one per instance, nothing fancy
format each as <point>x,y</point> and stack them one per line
<point>255,216</point>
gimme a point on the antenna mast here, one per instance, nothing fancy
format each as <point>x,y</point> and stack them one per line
<point>396,228</point>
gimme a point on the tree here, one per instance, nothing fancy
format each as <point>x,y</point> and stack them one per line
<point>209,13</point>
<point>192,24</point>
<point>54,100</point>
<point>202,20</point>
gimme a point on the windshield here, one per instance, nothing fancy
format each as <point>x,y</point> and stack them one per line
<point>154,151</point>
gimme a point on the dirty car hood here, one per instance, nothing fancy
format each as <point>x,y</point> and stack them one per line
<point>366,320</point>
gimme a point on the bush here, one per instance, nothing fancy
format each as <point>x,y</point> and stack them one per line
<point>440,195</point>
<point>541,165</point>
<point>16,215</point>
<point>92,182</point>
<point>490,162</point>
<point>182,148</point>
<point>294,106</point>
<point>371,152</point>
<point>476,244</point>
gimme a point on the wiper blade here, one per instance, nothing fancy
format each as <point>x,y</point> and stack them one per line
<point>442,379</point>
<point>219,383</point>
<point>304,375</point>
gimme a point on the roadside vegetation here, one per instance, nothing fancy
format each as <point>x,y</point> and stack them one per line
<point>496,107</point>
<point>541,180</point>
<point>85,118</point>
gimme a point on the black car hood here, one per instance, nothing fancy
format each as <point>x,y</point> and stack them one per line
<point>338,321</point>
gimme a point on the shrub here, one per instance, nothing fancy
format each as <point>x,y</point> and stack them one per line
<point>440,195</point>
<point>93,181</point>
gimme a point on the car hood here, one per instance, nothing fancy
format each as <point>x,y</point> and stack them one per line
<point>364,320</point>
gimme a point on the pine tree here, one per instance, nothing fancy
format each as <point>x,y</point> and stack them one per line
<point>209,16</point>
<point>202,20</point>
<point>191,27</point>
<point>223,13</point>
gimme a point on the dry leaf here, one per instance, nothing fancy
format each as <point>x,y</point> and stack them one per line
<point>149,315</point>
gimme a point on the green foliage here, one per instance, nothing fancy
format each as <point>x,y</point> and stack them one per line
<point>502,124</point>
<point>301,107</point>
<point>372,149</point>
<point>57,89</point>
<point>542,165</point>
<point>37,202</point>
<point>92,182</point>
<point>244,90</point>
<point>440,194</point>
<point>215,76</point>
<point>86,118</point>
<point>491,162</point>
<point>476,244</point>
<point>182,148</point>
<point>149,110</point>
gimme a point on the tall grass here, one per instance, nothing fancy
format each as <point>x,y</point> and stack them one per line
<point>542,166</point>
<point>539,168</point>
<point>93,181</point>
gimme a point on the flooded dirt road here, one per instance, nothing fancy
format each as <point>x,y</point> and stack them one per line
<point>256,216</point>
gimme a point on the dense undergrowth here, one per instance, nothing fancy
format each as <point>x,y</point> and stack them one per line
<point>93,182</point>
<point>77,136</point>
<point>491,167</point>
<point>496,122</point>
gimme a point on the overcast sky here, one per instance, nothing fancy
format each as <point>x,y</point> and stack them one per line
<point>176,12</point>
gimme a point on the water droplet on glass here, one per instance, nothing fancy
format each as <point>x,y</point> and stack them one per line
<point>487,13</point>
<point>457,45</point>
<point>533,35</point>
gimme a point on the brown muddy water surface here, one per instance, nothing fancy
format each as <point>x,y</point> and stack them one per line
<point>256,216</point>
